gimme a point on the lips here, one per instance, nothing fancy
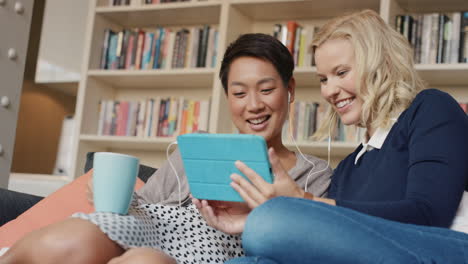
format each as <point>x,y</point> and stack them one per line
<point>343,103</point>
<point>258,124</point>
<point>259,120</point>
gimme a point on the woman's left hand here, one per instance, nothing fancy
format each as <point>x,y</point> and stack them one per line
<point>259,191</point>
<point>228,217</point>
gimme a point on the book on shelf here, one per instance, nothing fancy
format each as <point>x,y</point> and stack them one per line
<point>153,117</point>
<point>297,39</point>
<point>64,161</point>
<point>150,2</point>
<point>464,37</point>
<point>291,27</point>
<point>160,48</point>
<point>119,2</point>
<point>435,37</point>
<point>306,117</point>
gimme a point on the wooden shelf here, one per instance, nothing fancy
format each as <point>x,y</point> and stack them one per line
<point>69,88</point>
<point>426,6</point>
<point>231,17</point>
<point>263,10</point>
<point>173,78</point>
<point>444,74</point>
<point>338,149</point>
<point>37,184</point>
<point>168,14</point>
<point>133,143</point>
<point>306,77</point>
<point>434,74</point>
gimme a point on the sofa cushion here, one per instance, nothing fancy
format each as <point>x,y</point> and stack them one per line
<point>58,206</point>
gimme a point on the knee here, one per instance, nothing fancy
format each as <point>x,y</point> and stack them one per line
<point>60,242</point>
<point>65,238</point>
<point>265,224</point>
<point>280,223</point>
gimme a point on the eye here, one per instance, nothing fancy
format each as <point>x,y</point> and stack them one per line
<point>323,80</point>
<point>238,94</point>
<point>342,73</point>
<point>267,91</point>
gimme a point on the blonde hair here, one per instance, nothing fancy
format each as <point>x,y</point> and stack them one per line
<point>387,81</point>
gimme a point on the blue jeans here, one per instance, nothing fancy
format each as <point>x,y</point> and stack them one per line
<point>289,230</point>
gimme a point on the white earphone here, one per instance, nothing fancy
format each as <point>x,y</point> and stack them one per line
<point>289,97</point>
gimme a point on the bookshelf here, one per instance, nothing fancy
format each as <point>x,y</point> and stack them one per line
<point>231,18</point>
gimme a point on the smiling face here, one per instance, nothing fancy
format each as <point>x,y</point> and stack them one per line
<point>336,69</point>
<point>257,98</point>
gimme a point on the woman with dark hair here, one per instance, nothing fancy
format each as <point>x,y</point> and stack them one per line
<point>256,74</point>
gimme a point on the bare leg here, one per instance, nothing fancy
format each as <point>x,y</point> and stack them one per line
<point>70,241</point>
<point>143,256</point>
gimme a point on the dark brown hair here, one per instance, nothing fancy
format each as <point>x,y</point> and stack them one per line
<point>260,46</point>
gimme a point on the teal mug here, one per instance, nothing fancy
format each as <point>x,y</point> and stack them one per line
<point>114,178</point>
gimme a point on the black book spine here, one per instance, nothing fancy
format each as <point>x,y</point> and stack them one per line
<point>440,43</point>
<point>105,48</point>
<point>463,38</point>
<point>123,52</point>
<point>206,33</point>
<point>200,43</point>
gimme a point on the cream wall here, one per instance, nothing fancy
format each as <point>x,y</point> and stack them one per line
<point>62,40</point>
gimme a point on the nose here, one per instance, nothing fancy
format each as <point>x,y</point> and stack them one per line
<point>254,103</point>
<point>330,89</point>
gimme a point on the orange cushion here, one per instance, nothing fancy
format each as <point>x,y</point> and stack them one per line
<point>58,206</point>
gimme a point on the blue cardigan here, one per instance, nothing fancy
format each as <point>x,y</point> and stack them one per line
<point>421,171</point>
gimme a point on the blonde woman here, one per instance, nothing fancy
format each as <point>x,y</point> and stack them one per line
<point>392,199</point>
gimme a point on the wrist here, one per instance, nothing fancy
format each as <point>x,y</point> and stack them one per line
<point>308,196</point>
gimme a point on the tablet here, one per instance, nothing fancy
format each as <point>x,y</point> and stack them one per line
<point>209,161</point>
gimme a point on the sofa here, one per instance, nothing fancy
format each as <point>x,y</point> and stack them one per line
<point>57,206</point>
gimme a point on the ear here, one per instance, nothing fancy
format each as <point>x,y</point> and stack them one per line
<point>291,90</point>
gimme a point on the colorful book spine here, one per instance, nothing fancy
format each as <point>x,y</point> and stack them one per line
<point>139,49</point>
<point>147,51</point>
<point>105,48</point>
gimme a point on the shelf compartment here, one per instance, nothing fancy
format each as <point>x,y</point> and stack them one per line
<point>168,14</point>
<point>129,143</point>
<point>444,74</point>
<point>299,9</point>
<point>173,78</point>
<point>426,6</point>
<point>338,149</point>
<point>435,75</point>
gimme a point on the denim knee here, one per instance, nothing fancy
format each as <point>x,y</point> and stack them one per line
<point>269,224</point>
<point>281,223</point>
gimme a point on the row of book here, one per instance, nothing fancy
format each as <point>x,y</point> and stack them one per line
<point>154,117</point>
<point>164,1</point>
<point>161,48</point>
<point>306,118</point>
<point>297,39</point>
<point>436,37</point>
<point>119,2</point>
<point>167,117</point>
<point>140,2</point>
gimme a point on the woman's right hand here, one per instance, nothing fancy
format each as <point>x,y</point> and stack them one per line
<point>89,191</point>
<point>228,217</point>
